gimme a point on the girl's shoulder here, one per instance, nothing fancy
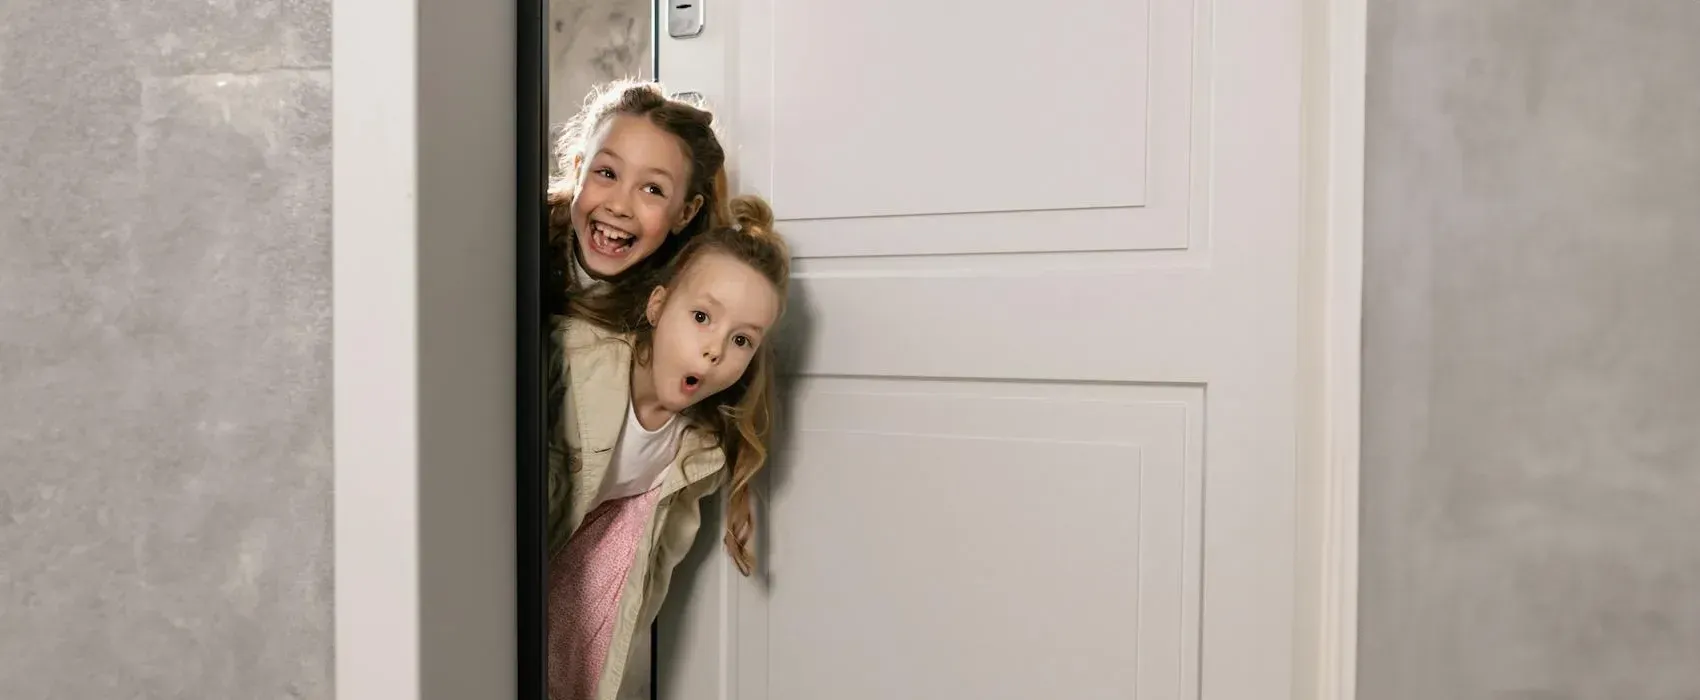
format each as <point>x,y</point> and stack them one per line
<point>701,456</point>
<point>576,338</point>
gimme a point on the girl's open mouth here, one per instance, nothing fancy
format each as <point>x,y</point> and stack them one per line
<point>690,384</point>
<point>609,241</point>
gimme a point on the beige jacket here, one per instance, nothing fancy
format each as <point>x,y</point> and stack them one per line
<point>598,378</point>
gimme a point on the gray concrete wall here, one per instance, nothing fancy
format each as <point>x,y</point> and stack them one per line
<point>1532,371</point>
<point>594,41</point>
<point>165,365</point>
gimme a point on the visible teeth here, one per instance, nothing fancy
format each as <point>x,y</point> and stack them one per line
<point>612,234</point>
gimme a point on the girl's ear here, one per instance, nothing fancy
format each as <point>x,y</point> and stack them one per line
<point>690,212</point>
<point>657,297</point>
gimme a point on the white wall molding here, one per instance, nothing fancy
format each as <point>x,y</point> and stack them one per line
<point>1337,47</point>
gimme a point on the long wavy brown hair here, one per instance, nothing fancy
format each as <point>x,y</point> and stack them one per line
<point>739,419</point>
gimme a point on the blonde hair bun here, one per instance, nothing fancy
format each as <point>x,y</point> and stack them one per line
<point>752,215</point>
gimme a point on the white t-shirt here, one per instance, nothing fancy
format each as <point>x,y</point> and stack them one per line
<point>640,457</point>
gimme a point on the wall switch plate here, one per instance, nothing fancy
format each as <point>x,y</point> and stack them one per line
<point>684,18</point>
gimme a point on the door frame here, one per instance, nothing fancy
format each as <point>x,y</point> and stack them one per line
<point>1336,51</point>
<point>424,275</point>
<point>426,118</point>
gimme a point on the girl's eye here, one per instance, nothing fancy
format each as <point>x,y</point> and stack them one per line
<point>743,341</point>
<point>700,316</point>
<point>652,189</point>
<point>605,172</point>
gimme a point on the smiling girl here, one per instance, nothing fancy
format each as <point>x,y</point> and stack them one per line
<point>638,174</point>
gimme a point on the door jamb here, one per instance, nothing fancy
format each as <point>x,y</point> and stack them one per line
<point>1336,54</point>
<point>424,348</point>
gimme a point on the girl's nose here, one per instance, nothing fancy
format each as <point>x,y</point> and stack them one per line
<point>616,205</point>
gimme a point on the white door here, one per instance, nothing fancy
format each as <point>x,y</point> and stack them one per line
<point>1042,416</point>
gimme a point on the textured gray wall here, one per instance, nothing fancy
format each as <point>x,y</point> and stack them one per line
<point>1532,369</point>
<point>165,396</point>
<point>594,41</point>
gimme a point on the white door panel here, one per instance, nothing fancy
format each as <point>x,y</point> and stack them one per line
<point>964,109</point>
<point>975,87</point>
<point>1040,432</point>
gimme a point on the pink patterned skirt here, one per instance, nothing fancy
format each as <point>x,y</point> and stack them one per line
<point>584,592</point>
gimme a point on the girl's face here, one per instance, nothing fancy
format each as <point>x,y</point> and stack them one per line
<point>707,328</point>
<point>631,194</point>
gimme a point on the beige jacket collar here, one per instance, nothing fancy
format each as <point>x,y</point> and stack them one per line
<point>599,368</point>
